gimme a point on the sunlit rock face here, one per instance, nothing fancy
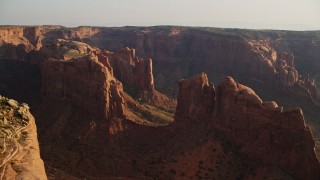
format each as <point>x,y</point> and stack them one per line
<point>72,71</point>
<point>20,154</point>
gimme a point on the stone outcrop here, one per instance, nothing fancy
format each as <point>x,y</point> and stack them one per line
<point>144,74</point>
<point>288,79</point>
<point>20,155</point>
<point>196,98</point>
<point>132,71</point>
<point>137,77</point>
<point>265,133</point>
<point>72,71</point>
<point>64,50</point>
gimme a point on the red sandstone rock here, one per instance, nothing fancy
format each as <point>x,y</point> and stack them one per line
<point>144,74</point>
<point>264,132</point>
<point>220,54</point>
<point>196,98</point>
<point>288,79</point>
<point>133,72</point>
<point>83,32</point>
<point>24,43</point>
<point>31,37</point>
<point>137,77</point>
<point>64,50</point>
<point>71,71</point>
<point>187,51</point>
<point>242,114</point>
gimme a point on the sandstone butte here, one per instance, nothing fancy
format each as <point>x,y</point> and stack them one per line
<point>20,153</point>
<point>87,84</point>
<point>265,132</point>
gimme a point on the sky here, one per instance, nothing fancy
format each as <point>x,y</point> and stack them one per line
<point>250,14</point>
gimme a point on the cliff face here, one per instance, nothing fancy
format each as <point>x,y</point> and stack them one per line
<point>136,74</point>
<point>181,52</point>
<point>288,78</point>
<point>67,63</point>
<point>196,98</point>
<point>185,52</point>
<point>265,132</point>
<point>221,55</point>
<point>285,77</point>
<point>20,155</point>
<point>71,71</point>
<point>15,35</point>
<point>83,32</point>
<point>22,42</point>
<point>305,47</point>
<point>252,57</point>
<point>133,71</point>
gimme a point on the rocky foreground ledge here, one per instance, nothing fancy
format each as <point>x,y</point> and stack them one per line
<point>264,132</point>
<point>19,147</point>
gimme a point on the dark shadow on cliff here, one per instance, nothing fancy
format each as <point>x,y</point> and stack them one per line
<point>20,80</point>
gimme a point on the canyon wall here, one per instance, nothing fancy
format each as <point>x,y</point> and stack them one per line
<point>81,85</point>
<point>180,52</point>
<point>16,35</point>
<point>74,64</point>
<point>305,47</point>
<point>253,57</point>
<point>71,71</point>
<point>264,132</point>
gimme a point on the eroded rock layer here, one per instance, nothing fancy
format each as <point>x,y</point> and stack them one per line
<point>264,132</point>
<point>137,77</point>
<point>196,98</point>
<point>20,154</point>
<point>133,71</point>
<point>71,71</point>
<point>91,128</point>
<point>188,51</point>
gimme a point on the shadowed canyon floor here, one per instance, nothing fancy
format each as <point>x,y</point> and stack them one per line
<point>102,111</point>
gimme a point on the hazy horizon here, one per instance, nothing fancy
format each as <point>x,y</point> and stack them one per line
<point>247,14</point>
